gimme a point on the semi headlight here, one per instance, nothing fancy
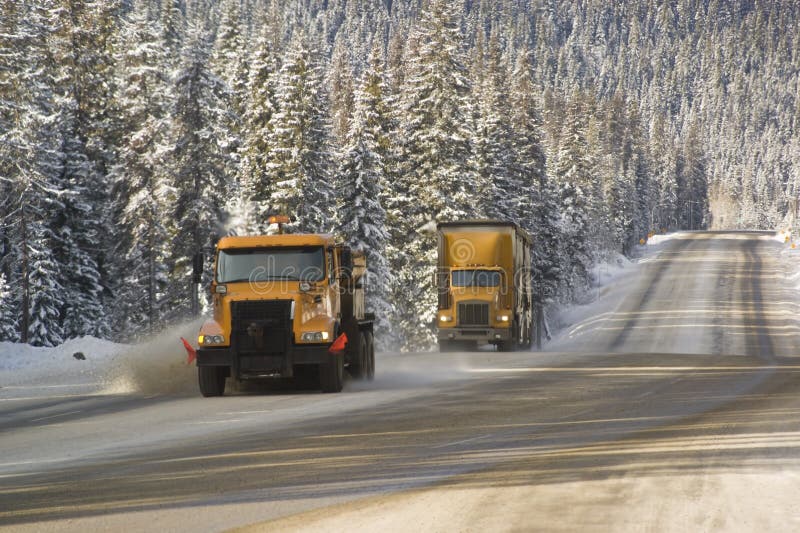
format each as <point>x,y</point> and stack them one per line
<point>208,340</point>
<point>445,318</point>
<point>314,336</point>
<point>502,318</point>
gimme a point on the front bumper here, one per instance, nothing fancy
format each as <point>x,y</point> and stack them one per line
<point>484,335</point>
<point>250,364</point>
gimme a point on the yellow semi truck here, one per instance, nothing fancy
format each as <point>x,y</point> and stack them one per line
<point>484,285</point>
<point>284,305</point>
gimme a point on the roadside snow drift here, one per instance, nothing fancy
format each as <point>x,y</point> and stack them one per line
<point>153,367</point>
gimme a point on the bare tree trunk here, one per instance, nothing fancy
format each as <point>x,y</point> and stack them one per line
<point>26,301</point>
<point>151,281</point>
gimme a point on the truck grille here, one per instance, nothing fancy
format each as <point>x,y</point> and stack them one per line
<point>261,326</point>
<point>473,314</point>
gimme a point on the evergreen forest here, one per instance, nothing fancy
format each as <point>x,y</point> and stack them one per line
<point>134,133</point>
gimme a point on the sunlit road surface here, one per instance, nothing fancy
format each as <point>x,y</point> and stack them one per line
<point>677,408</point>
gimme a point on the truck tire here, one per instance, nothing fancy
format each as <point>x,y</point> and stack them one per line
<point>370,355</point>
<point>448,346</point>
<point>331,373</point>
<point>511,344</point>
<point>360,367</point>
<point>530,334</point>
<point>211,380</point>
<point>506,346</point>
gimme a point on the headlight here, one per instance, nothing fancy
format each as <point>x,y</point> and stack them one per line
<point>445,318</point>
<point>207,340</point>
<point>314,336</point>
<point>502,318</point>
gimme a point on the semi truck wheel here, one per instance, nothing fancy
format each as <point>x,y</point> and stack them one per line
<point>511,344</point>
<point>530,334</point>
<point>360,367</point>
<point>448,346</point>
<point>331,373</point>
<point>212,380</point>
<point>370,355</point>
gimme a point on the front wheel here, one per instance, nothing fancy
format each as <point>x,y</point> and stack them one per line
<point>211,380</point>
<point>331,373</point>
<point>447,346</point>
<point>511,344</point>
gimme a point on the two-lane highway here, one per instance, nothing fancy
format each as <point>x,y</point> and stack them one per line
<point>674,409</point>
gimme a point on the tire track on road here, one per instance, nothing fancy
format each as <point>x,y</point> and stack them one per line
<point>664,263</point>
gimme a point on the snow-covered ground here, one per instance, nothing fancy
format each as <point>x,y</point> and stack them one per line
<point>90,365</point>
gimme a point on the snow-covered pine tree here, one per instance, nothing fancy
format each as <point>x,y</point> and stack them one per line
<point>435,156</point>
<point>173,29</point>
<point>538,200</point>
<point>664,176</point>
<point>31,152</point>
<point>572,167</point>
<point>80,225</point>
<point>255,182</point>
<point>299,150</point>
<point>11,59</point>
<point>340,88</point>
<point>692,200</point>
<point>360,215</point>
<point>228,59</point>
<point>9,329</point>
<point>493,145</point>
<point>46,294</point>
<point>141,183</point>
<point>202,152</point>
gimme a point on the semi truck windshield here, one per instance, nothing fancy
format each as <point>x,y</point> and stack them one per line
<point>476,278</point>
<point>265,264</point>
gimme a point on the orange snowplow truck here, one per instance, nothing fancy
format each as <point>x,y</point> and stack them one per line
<point>286,305</point>
<point>484,285</point>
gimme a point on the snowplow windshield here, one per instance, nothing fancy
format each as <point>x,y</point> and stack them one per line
<point>265,264</point>
<point>476,278</point>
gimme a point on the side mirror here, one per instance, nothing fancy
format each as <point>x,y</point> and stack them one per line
<point>346,263</point>
<point>197,267</point>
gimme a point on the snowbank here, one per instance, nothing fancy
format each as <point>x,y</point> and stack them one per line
<point>791,254</point>
<point>661,238</point>
<point>157,366</point>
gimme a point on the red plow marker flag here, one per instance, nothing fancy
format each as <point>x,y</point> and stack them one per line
<point>339,344</point>
<point>190,351</point>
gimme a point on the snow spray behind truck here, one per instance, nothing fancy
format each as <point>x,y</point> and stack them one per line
<point>484,285</point>
<point>284,303</point>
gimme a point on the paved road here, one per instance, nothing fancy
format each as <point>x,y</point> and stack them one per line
<point>674,409</point>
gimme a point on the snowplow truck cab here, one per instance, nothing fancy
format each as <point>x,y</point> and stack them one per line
<point>284,306</point>
<point>484,285</point>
